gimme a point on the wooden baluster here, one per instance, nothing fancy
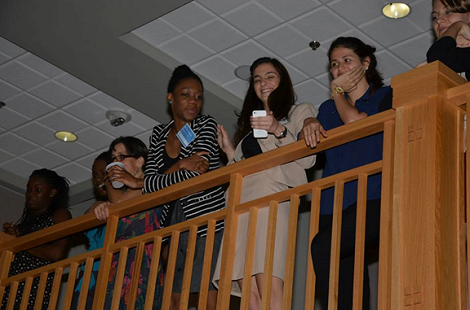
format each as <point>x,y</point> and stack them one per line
<point>41,290</point>
<point>188,268</point>
<point>85,283</point>
<point>385,248</point>
<point>105,263</point>
<point>5,261</point>
<point>12,296</point>
<point>70,285</point>
<point>153,273</point>
<point>26,292</point>
<point>314,221</point>
<point>467,169</point>
<point>249,254</point>
<point>335,246</point>
<point>230,237</point>
<point>138,257</point>
<point>55,288</point>
<point>360,242</point>
<point>119,278</point>
<point>290,249</point>
<point>206,269</point>
<point>269,256</point>
<point>170,270</point>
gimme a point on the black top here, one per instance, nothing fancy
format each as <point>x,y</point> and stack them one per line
<point>250,146</point>
<point>445,50</point>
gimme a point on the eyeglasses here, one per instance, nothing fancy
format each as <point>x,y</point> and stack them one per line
<point>120,157</point>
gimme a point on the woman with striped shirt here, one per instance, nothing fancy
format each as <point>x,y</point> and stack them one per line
<point>182,149</point>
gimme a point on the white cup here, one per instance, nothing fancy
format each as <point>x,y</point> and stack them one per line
<point>116,184</point>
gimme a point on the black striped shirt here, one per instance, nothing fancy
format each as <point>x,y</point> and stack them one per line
<point>197,204</point>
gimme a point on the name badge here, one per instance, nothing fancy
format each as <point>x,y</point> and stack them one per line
<point>186,135</point>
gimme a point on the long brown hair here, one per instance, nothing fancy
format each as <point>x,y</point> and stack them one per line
<point>279,101</point>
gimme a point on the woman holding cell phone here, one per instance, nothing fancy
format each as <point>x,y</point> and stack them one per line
<point>271,92</point>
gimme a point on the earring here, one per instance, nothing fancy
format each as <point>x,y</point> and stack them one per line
<point>367,68</point>
<point>170,102</point>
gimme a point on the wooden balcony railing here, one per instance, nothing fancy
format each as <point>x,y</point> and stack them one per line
<point>422,259</point>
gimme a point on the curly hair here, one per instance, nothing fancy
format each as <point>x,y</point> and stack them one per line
<point>362,50</point>
<point>280,100</point>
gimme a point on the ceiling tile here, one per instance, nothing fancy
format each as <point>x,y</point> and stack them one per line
<point>189,16</point>
<point>7,90</point>
<point>246,52</point>
<point>4,58</point>
<point>60,120</point>
<point>217,35</point>
<point>87,160</point>
<point>10,49</point>
<point>295,74</point>
<point>312,92</point>
<point>108,102</point>
<point>36,133</point>
<point>127,129</point>
<point>29,106</point>
<point>178,49</point>
<point>252,19</point>
<point>11,119</point>
<point>358,12</point>
<point>145,137</point>
<point>20,167</point>
<point>15,144</point>
<point>20,75</point>
<point>94,138</point>
<point>289,9</point>
<point>388,31</point>
<point>4,156</point>
<point>45,158</point>
<point>217,70</point>
<point>331,25</point>
<point>389,65</point>
<point>74,172</point>
<point>71,150</point>
<point>55,93</point>
<point>157,32</point>
<point>221,7</point>
<point>75,84</point>
<point>421,14</point>
<point>411,50</point>
<point>87,110</point>
<point>283,40</point>
<point>39,65</point>
<point>311,62</point>
<point>324,79</point>
<point>142,120</point>
<point>237,87</point>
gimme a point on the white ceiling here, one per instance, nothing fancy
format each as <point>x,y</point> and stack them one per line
<point>212,36</point>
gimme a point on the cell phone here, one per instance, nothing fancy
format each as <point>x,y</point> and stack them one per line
<point>259,133</point>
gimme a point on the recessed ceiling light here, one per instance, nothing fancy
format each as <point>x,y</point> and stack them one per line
<point>396,10</point>
<point>65,136</point>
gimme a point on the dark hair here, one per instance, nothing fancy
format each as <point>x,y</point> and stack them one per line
<point>362,50</point>
<point>458,6</point>
<point>105,156</point>
<point>179,74</point>
<point>133,145</point>
<point>280,100</point>
<point>60,199</point>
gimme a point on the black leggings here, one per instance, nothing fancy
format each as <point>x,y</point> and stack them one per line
<point>321,252</point>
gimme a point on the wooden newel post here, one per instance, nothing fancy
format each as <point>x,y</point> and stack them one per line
<point>428,270</point>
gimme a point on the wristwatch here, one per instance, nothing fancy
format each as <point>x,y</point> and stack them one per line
<point>338,90</point>
<point>283,133</point>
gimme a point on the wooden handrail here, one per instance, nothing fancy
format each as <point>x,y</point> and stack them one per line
<point>337,136</point>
